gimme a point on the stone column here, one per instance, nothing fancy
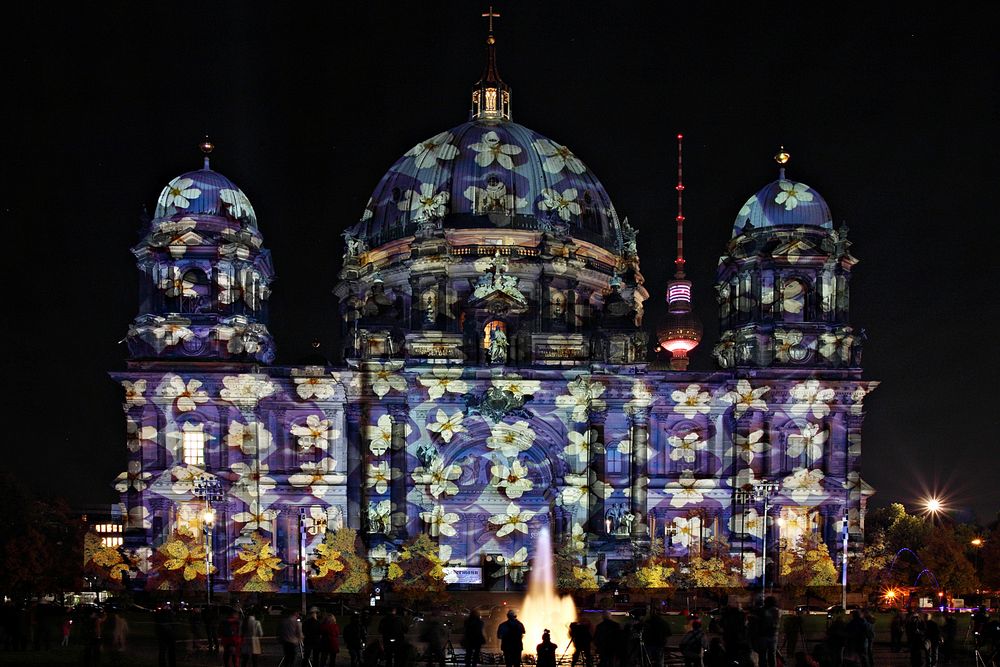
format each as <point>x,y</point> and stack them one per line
<point>397,491</point>
<point>638,417</point>
<point>415,318</point>
<point>354,423</point>
<point>596,461</point>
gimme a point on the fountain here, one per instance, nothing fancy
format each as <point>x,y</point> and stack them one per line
<point>543,607</point>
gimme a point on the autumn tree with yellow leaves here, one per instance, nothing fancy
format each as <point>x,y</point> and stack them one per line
<point>418,574</point>
<point>807,568</point>
<point>336,566</point>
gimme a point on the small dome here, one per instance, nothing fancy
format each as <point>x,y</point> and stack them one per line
<point>204,193</point>
<point>784,203</point>
<point>489,173</point>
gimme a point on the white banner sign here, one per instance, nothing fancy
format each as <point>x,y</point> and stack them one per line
<point>464,575</point>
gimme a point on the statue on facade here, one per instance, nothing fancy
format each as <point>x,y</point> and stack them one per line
<point>498,346</point>
<point>356,246</point>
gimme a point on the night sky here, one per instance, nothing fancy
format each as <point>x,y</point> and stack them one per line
<point>891,117</point>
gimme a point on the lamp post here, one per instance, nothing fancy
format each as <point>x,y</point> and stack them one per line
<point>977,544</point>
<point>210,489</point>
<point>760,491</point>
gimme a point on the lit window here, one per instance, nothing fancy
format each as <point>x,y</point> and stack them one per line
<point>193,445</point>
<point>111,541</point>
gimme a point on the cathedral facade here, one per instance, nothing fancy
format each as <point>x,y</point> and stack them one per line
<point>498,377</point>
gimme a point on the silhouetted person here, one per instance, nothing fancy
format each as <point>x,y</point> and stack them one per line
<point>607,639</point>
<point>581,636</point>
<point>915,639</point>
<point>793,632</point>
<point>473,638</point>
<point>896,632</point>
<point>655,632</point>
<point>433,635</point>
<point>767,632</point>
<point>857,637</point>
<point>311,636</point>
<point>546,651</point>
<point>393,635</point>
<point>511,636</point>
<point>932,640</point>
<point>693,645</point>
<point>354,637</point>
<point>166,636</point>
<point>948,636</point>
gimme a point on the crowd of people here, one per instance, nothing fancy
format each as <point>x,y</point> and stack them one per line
<point>760,636</point>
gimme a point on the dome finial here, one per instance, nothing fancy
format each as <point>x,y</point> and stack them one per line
<point>491,96</point>
<point>207,147</point>
<point>782,157</point>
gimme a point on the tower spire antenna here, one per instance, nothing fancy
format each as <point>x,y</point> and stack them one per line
<point>679,262</point>
<point>681,331</point>
<point>782,157</point>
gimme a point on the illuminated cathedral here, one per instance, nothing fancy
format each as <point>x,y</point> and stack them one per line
<point>498,376</point>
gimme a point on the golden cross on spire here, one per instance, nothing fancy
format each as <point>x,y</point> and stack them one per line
<point>491,15</point>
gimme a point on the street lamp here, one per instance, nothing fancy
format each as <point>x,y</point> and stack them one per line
<point>208,520</point>
<point>210,489</point>
<point>977,543</point>
<point>760,491</point>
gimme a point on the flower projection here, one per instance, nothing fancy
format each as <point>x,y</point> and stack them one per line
<point>558,157</point>
<point>248,438</point>
<point>183,478</point>
<point>579,488</point>
<point>809,441</point>
<point>692,401</point>
<point>187,396</point>
<point>137,436</point>
<point>510,439</point>
<point>379,476</point>
<point>584,396</point>
<point>316,521</point>
<point>745,448</point>
<point>237,203</point>
<point>245,388</point>
<point>792,194</point>
<point>441,380</point>
<point>837,345</point>
<point>685,448</point>
<point>178,194</point>
<point>134,393</point>
<point>804,485</point>
<point>490,148</point>
<point>517,386</point>
<point>250,480</point>
<point>314,433</point>
<point>438,476</point>
<point>564,203</point>
<point>687,531</point>
<point>256,564</point>
<point>313,387</point>
<point>318,477</point>
<point>133,479</point>
<point>512,479</point>
<point>182,557</point>
<point>748,523</point>
<point>516,566</point>
<point>256,517</point>
<point>446,426</point>
<point>380,435</point>
<point>440,522</point>
<point>811,397</point>
<point>385,378</point>
<point>425,204</point>
<point>791,346</point>
<point>688,489</point>
<point>427,153</point>
<point>745,398</point>
<point>582,445</point>
<point>514,519</point>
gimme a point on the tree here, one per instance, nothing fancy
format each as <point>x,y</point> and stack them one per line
<point>418,574</point>
<point>42,548</point>
<point>944,554</point>
<point>808,569</point>
<point>337,567</point>
<point>866,572</point>
<point>989,559</point>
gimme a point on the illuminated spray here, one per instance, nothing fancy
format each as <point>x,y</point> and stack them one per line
<point>543,607</point>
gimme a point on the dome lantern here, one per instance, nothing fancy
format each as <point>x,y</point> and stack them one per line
<point>490,95</point>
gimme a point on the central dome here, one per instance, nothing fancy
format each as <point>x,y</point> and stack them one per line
<point>490,173</point>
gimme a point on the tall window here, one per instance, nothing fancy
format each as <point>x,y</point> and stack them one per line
<point>193,447</point>
<point>615,461</point>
